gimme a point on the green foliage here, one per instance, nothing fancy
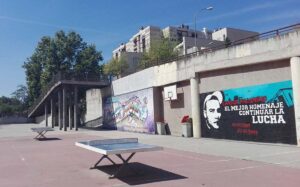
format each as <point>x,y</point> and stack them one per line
<point>66,53</point>
<point>115,67</point>
<point>21,94</point>
<point>87,61</point>
<point>159,51</point>
<point>33,71</point>
<point>10,106</point>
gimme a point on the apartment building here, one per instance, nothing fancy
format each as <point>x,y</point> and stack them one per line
<point>177,33</point>
<point>187,38</point>
<point>232,34</point>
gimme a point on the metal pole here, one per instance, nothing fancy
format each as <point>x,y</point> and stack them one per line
<point>195,35</point>
<point>195,20</point>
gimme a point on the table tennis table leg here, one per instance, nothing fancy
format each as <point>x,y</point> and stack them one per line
<point>104,156</point>
<point>125,163</point>
<point>41,135</point>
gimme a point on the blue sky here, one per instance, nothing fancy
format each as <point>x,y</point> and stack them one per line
<point>107,23</point>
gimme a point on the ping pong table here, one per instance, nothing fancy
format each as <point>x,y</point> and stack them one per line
<point>41,132</point>
<point>108,147</point>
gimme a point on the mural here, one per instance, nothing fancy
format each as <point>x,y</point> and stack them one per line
<point>263,113</point>
<point>130,112</point>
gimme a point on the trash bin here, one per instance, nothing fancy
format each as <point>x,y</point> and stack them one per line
<point>186,129</point>
<point>161,128</point>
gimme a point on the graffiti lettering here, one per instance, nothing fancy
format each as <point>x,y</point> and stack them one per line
<point>272,119</point>
<point>247,131</point>
<point>266,106</point>
<point>241,125</point>
<point>256,112</point>
<point>253,100</point>
<point>239,107</point>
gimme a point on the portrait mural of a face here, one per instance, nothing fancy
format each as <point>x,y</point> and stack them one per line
<point>212,109</point>
<point>263,113</point>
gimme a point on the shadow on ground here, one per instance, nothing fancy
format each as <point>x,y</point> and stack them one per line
<point>139,173</point>
<point>47,139</point>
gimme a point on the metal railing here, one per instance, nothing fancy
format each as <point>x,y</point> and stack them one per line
<point>60,76</point>
<point>261,36</point>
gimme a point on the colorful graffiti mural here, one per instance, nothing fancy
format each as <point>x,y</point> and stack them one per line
<point>130,112</point>
<point>263,113</point>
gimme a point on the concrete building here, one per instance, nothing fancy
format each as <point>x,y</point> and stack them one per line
<point>232,34</point>
<point>213,39</point>
<point>188,43</point>
<point>178,33</point>
<point>140,42</point>
<point>183,35</point>
<point>132,51</point>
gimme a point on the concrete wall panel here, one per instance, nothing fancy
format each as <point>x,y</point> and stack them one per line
<point>176,109</point>
<point>93,104</point>
<point>245,76</point>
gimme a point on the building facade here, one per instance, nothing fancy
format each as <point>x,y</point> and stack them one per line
<point>253,88</point>
<point>188,41</point>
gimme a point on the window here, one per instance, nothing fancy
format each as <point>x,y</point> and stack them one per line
<point>143,44</point>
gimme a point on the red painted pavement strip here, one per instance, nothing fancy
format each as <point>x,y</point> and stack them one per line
<point>27,162</point>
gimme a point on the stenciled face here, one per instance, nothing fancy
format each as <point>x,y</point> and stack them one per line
<point>213,113</point>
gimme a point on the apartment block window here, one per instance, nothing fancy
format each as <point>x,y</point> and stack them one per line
<point>134,42</point>
<point>143,44</point>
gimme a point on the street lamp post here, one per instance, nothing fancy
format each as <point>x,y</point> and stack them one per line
<point>195,20</point>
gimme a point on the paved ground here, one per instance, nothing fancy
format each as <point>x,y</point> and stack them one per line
<point>57,162</point>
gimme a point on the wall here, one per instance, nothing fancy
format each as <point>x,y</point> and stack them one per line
<point>251,64</point>
<point>93,104</point>
<point>41,120</point>
<point>137,81</point>
<point>130,112</point>
<point>158,104</point>
<point>261,112</point>
<point>235,126</point>
<point>244,76</point>
<point>176,109</point>
<point>93,115</point>
<point>16,119</point>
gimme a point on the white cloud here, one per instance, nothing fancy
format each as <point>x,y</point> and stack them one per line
<point>241,11</point>
<point>278,16</point>
<point>26,21</point>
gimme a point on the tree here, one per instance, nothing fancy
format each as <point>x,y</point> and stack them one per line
<point>87,61</point>
<point>116,67</point>
<point>10,106</point>
<point>21,94</point>
<point>159,51</point>
<point>66,53</point>
<point>33,71</point>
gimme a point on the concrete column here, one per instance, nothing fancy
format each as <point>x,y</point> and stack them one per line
<point>75,108</point>
<point>46,113</point>
<point>70,116</point>
<point>295,69</point>
<point>64,107</point>
<point>59,109</point>
<point>53,113</point>
<point>195,107</point>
